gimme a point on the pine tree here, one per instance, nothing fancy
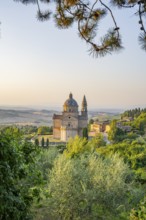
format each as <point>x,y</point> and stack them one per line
<point>87,15</point>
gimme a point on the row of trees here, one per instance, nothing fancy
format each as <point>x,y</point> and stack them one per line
<point>133,113</point>
<point>43,142</point>
<point>45,130</point>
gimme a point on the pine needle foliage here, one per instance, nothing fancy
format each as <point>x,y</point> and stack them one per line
<point>43,16</point>
<point>142,41</point>
<point>87,15</point>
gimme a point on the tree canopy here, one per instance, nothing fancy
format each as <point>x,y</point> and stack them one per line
<point>45,130</point>
<point>83,184</point>
<point>87,15</point>
<point>85,180</point>
<point>88,188</point>
<point>18,175</point>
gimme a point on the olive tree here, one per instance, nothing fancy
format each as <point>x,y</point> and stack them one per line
<point>90,187</point>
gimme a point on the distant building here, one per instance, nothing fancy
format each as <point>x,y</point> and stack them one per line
<point>126,128</point>
<point>70,123</point>
<point>98,127</point>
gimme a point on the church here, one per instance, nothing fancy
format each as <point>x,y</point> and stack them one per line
<point>70,123</point>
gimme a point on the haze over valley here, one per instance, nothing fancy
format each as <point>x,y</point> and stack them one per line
<point>38,117</point>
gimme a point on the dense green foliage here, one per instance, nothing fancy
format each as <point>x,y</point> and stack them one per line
<point>28,129</point>
<point>91,121</point>
<point>130,145</point>
<point>89,189</point>
<point>139,124</point>
<point>45,130</point>
<point>82,184</point>
<point>86,179</point>
<point>140,212</point>
<point>77,145</point>
<point>116,134</point>
<point>85,133</point>
<point>36,142</point>
<point>98,141</point>
<point>133,152</point>
<point>18,175</point>
<point>133,113</point>
<point>88,15</point>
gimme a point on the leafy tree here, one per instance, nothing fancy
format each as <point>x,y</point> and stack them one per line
<point>45,161</point>
<point>98,141</point>
<point>28,129</point>
<point>140,212</point>
<point>88,16</point>
<point>86,182</point>
<point>61,147</point>
<point>140,123</point>
<point>86,187</point>
<point>76,146</point>
<point>91,121</point>
<point>18,175</point>
<point>133,152</point>
<point>115,134</point>
<point>45,130</point>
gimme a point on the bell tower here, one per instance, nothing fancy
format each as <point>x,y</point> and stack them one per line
<point>84,106</point>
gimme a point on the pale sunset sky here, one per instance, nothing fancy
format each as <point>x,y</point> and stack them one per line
<point>40,64</point>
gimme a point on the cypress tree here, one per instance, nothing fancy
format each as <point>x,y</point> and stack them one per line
<point>85,133</point>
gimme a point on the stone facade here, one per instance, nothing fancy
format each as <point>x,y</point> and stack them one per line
<point>70,123</point>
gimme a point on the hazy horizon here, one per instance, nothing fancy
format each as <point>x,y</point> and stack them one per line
<point>60,108</point>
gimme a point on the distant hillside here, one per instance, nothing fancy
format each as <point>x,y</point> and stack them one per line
<point>104,115</point>
<point>23,117</point>
<point>43,117</point>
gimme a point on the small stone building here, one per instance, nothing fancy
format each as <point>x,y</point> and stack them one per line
<point>98,127</point>
<point>70,123</point>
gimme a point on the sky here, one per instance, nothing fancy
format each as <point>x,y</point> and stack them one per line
<point>40,64</point>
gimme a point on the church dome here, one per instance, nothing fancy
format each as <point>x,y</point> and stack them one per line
<point>70,104</point>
